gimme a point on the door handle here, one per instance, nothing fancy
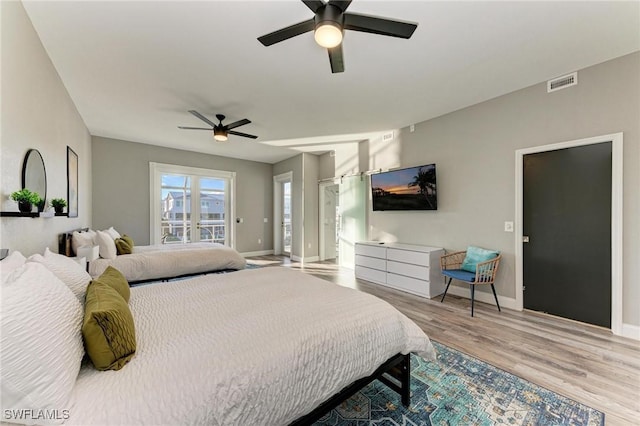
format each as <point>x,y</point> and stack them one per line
<point>525,238</point>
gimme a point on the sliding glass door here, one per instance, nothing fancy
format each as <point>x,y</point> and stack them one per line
<point>191,205</point>
<point>353,214</point>
<point>212,212</point>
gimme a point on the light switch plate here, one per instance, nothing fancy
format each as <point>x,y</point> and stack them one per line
<point>508,227</point>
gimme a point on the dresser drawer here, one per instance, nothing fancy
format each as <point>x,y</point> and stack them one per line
<point>412,285</point>
<point>371,251</point>
<point>406,256</point>
<point>371,274</point>
<point>409,270</point>
<point>371,262</point>
<point>423,288</point>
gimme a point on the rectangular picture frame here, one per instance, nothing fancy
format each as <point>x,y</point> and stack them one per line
<point>72,182</point>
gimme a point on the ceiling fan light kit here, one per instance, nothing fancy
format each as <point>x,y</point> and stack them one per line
<point>220,135</point>
<point>328,23</point>
<point>328,35</point>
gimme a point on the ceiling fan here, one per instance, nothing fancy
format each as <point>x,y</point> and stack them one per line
<point>220,131</point>
<point>329,23</point>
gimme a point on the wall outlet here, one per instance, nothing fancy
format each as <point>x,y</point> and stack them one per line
<point>508,227</point>
<point>309,245</point>
<point>266,220</point>
<point>259,240</point>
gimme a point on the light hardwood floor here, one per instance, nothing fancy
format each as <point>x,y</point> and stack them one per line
<point>582,362</point>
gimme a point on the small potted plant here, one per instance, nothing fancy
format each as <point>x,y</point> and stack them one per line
<point>40,204</point>
<point>25,199</point>
<point>58,204</point>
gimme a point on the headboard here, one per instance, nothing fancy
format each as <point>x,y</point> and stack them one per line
<point>64,242</point>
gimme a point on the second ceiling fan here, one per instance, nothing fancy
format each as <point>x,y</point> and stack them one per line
<point>221,131</point>
<point>329,22</point>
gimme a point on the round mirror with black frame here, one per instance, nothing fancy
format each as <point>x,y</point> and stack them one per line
<point>34,176</point>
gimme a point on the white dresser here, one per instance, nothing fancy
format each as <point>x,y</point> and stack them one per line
<point>407,267</point>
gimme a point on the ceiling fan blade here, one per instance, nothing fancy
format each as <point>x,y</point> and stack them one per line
<point>194,128</point>
<point>336,59</point>
<point>202,117</point>
<point>375,25</point>
<point>237,124</point>
<point>342,4</point>
<point>314,5</point>
<point>287,33</point>
<point>244,135</point>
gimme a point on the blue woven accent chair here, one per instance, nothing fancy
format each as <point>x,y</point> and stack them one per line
<point>485,273</point>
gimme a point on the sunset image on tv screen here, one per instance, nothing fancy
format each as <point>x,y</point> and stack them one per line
<point>406,189</point>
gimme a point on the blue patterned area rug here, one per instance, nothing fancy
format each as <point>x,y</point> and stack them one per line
<point>461,390</point>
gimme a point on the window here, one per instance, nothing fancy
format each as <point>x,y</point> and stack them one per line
<point>191,204</point>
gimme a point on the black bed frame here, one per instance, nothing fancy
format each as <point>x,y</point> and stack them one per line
<point>395,373</point>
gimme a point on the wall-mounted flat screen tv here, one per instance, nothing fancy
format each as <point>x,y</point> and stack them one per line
<point>413,188</point>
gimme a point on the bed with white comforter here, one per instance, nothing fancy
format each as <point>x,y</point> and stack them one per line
<point>255,347</point>
<point>170,260</point>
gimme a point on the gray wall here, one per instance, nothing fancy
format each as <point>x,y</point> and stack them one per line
<point>474,150</point>
<point>311,198</point>
<point>327,165</point>
<point>37,112</point>
<point>121,188</point>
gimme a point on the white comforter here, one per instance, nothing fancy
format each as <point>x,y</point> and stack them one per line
<point>254,347</point>
<point>170,260</point>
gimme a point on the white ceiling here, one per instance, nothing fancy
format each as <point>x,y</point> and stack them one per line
<point>133,69</point>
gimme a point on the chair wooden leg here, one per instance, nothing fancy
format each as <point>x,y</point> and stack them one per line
<point>496,297</point>
<point>445,290</point>
<point>473,290</point>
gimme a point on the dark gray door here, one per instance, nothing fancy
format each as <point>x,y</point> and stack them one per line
<point>567,217</point>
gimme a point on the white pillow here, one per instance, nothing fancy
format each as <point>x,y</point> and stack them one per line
<point>107,245</point>
<point>11,263</point>
<point>41,345</point>
<point>67,270</point>
<point>114,234</point>
<point>79,239</point>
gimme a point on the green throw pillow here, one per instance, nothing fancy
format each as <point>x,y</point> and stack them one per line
<point>108,330</point>
<point>114,279</point>
<point>124,244</point>
<point>477,255</point>
<point>128,239</point>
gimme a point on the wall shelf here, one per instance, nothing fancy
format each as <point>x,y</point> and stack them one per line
<point>30,214</point>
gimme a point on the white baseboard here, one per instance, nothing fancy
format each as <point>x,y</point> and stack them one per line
<point>628,330</point>
<point>256,253</point>
<point>505,302</point>
<point>631,331</point>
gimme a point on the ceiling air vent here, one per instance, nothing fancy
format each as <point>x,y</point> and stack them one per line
<point>562,82</point>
